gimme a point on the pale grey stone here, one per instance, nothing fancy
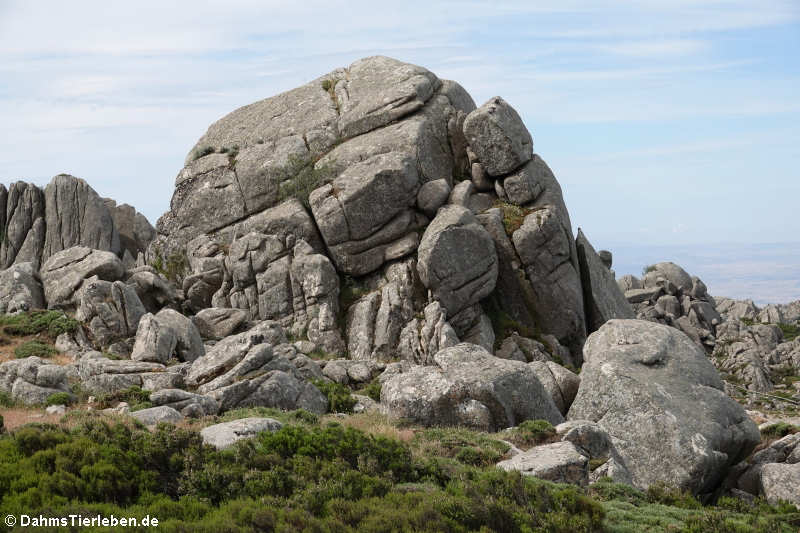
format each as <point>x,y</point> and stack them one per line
<point>157,415</point>
<point>64,272</point>
<point>226,434</point>
<point>498,137</point>
<point>432,195</point>
<point>663,403</point>
<point>20,289</point>
<point>217,323</point>
<point>560,462</point>
<point>457,259</point>
<point>110,310</point>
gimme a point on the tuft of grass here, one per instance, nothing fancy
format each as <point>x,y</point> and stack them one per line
<point>202,152</point>
<point>136,398</point>
<point>513,216</point>
<point>306,177</point>
<point>532,432</point>
<point>34,348</point>
<point>5,399</point>
<point>173,267</point>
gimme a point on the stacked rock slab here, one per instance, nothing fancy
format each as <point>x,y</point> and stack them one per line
<point>541,273</point>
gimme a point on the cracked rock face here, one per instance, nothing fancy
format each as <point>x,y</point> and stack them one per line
<point>663,404</point>
<point>457,259</point>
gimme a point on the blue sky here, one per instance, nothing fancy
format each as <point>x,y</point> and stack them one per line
<point>667,122</point>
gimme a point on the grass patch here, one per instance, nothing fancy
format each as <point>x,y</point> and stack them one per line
<point>5,399</point>
<point>466,446</point>
<point>136,398</point>
<point>298,416</point>
<point>34,348</point>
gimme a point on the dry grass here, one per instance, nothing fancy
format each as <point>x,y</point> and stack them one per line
<point>14,417</point>
<point>374,424</point>
<point>9,344</point>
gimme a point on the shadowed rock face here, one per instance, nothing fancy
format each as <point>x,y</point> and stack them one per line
<point>663,404</point>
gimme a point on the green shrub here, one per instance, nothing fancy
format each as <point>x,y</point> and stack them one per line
<point>532,432</point>
<point>51,323</point>
<point>202,152</point>
<point>373,390</point>
<point>5,399</point>
<point>780,429</point>
<point>34,348</point>
<point>672,496</point>
<point>465,445</point>
<point>59,398</point>
<point>790,331</point>
<point>339,398</point>
<point>298,416</point>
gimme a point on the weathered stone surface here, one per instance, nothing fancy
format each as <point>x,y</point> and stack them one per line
<point>590,439</point>
<point>153,289</point>
<point>420,340</point>
<point>30,381</point>
<point>276,388</point>
<point>110,310</point>
<point>522,187</point>
<point>75,215</point>
<point>468,386</point>
<point>189,345</point>
<point>560,383</point>
<point>24,224</point>
<point>135,231</point>
<point>546,249</point>
<point>20,289</point>
<point>379,90</point>
<point>498,137</point>
<point>670,272</point>
<point>157,415</point>
<point>663,403</point>
<point>432,195</point>
<point>226,434</point>
<point>601,294</point>
<point>457,259</point>
<point>187,403</point>
<point>366,214</point>
<point>64,272</point>
<point>155,341</point>
<point>287,282</point>
<point>227,353</point>
<point>219,322</point>
<point>560,462</point>
<point>780,482</point>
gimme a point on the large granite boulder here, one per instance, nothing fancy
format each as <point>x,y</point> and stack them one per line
<point>602,296</point>
<point>226,434</point>
<point>457,259</point>
<point>166,335</point>
<point>30,381</point>
<point>560,462</point>
<point>64,272</point>
<point>20,289</point>
<point>135,231</point>
<point>468,386</point>
<point>663,404</point>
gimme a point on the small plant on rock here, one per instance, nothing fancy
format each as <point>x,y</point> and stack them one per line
<point>59,398</point>
<point>339,398</point>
